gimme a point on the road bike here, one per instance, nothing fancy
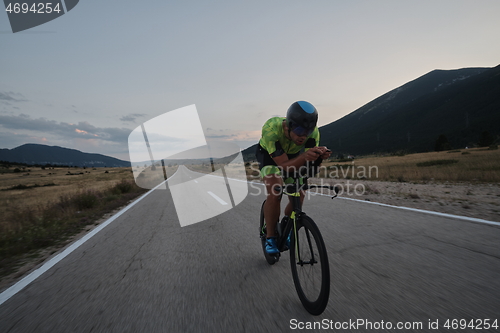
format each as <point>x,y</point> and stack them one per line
<point>308,255</point>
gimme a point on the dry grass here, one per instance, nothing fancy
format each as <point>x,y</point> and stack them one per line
<point>67,181</point>
<point>471,165</point>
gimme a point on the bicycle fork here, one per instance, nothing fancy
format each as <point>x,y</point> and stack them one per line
<point>293,227</point>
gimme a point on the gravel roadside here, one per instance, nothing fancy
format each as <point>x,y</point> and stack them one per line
<point>466,199</point>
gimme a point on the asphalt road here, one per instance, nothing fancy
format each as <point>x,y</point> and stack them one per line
<point>146,273</point>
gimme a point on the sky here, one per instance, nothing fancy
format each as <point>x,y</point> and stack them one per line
<point>87,79</point>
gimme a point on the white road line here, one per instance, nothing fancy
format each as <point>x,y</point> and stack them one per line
<point>222,202</point>
<point>8,293</point>
<point>459,217</point>
<point>466,218</point>
<point>239,180</point>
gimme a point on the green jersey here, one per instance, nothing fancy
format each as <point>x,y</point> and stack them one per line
<point>272,132</point>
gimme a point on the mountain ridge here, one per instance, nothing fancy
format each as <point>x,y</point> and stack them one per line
<point>461,111</point>
<point>38,154</point>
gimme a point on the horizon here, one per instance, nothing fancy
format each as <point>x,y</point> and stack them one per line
<point>127,157</point>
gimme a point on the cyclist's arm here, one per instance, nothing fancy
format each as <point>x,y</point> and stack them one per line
<point>287,165</point>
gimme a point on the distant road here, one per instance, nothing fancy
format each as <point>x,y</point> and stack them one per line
<point>144,273</point>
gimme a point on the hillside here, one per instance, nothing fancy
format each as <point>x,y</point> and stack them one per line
<point>53,155</point>
<point>460,104</point>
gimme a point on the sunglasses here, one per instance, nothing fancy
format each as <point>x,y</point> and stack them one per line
<point>301,131</point>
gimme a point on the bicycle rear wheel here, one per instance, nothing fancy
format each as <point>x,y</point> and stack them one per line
<point>309,264</point>
<point>263,234</point>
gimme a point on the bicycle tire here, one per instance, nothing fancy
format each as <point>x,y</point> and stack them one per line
<point>271,260</point>
<point>312,280</point>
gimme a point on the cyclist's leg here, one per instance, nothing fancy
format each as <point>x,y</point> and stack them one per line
<point>289,208</point>
<point>271,175</point>
<point>272,206</point>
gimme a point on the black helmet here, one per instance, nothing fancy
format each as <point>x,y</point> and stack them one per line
<point>301,118</point>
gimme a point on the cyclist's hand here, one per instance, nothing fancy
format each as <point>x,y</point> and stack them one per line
<point>312,154</point>
<point>325,153</point>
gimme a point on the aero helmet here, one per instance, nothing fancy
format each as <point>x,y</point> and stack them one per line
<point>301,118</point>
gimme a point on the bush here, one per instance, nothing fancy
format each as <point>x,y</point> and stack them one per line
<point>436,162</point>
<point>19,187</point>
<point>86,200</point>
<point>122,187</point>
<point>399,153</point>
<point>112,197</point>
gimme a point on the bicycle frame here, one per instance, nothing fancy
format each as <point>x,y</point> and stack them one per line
<point>294,216</point>
<point>297,213</point>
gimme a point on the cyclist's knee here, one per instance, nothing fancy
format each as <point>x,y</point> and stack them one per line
<point>274,197</point>
<point>271,181</point>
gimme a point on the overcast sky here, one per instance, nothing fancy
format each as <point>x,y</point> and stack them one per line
<point>87,79</point>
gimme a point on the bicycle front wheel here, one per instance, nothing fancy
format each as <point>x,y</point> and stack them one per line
<point>310,268</point>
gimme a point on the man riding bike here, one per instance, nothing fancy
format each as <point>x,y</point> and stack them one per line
<point>279,153</point>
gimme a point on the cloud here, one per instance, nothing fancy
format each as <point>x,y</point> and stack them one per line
<point>132,117</point>
<point>244,139</point>
<point>10,96</point>
<point>11,140</point>
<point>222,136</point>
<point>82,130</point>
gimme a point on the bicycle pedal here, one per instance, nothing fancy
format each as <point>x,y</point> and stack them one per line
<point>284,248</point>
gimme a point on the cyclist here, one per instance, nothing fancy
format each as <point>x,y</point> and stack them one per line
<point>280,152</point>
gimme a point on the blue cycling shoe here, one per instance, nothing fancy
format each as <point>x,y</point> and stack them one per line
<point>271,246</point>
<point>288,240</point>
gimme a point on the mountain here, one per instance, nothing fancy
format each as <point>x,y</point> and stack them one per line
<point>43,155</point>
<point>460,104</point>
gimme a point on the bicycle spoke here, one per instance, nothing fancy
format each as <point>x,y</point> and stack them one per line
<point>310,267</point>
<point>310,245</point>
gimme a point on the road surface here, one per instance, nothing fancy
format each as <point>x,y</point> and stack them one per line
<point>146,273</point>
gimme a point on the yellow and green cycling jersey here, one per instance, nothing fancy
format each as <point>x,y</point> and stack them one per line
<point>275,143</point>
<point>273,132</point>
